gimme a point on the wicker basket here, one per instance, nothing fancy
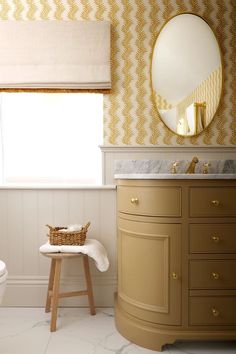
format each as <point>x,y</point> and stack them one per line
<point>72,238</point>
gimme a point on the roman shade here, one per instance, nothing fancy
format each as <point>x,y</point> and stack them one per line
<point>55,55</point>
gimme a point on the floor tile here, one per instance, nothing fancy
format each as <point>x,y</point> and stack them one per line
<point>27,331</point>
<point>23,331</point>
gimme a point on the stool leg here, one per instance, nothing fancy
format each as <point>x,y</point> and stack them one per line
<point>89,285</point>
<point>55,294</point>
<point>50,285</point>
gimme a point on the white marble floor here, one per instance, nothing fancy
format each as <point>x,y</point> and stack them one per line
<point>26,331</point>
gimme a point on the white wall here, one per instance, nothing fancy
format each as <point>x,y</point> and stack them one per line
<point>23,215</point>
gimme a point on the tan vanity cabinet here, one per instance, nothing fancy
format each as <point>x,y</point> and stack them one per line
<point>176,260</point>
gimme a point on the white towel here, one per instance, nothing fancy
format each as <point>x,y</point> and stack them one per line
<point>74,227</point>
<point>71,228</point>
<point>92,248</point>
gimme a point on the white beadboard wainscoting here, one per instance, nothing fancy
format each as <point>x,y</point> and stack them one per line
<point>23,216</point>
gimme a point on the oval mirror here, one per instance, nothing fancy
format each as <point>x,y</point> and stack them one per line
<point>186,74</point>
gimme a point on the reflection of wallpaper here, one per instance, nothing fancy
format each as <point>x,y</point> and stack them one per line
<point>130,117</point>
<point>161,102</point>
<point>208,91</point>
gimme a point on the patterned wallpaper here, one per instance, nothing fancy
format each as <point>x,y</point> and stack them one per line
<point>130,117</point>
<point>161,102</point>
<point>208,91</point>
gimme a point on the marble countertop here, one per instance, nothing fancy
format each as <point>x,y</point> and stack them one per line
<point>175,176</point>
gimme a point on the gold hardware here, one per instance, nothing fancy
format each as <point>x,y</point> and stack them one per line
<point>192,165</point>
<point>215,312</point>
<point>215,202</point>
<point>174,166</point>
<point>215,238</point>
<point>174,276</point>
<point>134,200</point>
<point>215,275</point>
<point>206,167</point>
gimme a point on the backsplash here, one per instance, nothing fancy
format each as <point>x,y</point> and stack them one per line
<point>130,117</point>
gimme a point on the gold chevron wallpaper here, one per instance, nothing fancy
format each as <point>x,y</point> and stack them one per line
<point>161,102</point>
<point>130,117</point>
<point>208,91</point>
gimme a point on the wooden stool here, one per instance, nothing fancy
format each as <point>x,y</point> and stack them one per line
<point>53,294</point>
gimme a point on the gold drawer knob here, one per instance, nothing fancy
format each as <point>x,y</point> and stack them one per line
<point>215,203</point>
<point>175,276</point>
<point>215,275</point>
<point>216,239</point>
<point>134,200</point>
<point>215,312</point>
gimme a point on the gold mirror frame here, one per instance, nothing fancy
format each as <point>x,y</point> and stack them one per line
<point>200,103</point>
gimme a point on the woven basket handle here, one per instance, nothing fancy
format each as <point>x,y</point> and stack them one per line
<point>86,226</point>
<point>50,227</point>
<point>57,228</point>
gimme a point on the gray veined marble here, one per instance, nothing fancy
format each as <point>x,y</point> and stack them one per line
<point>26,331</point>
<point>163,169</point>
<point>229,166</point>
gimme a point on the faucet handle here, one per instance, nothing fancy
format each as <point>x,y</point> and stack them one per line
<point>206,166</point>
<point>174,167</point>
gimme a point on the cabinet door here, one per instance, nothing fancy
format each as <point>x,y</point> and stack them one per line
<point>149,279</point>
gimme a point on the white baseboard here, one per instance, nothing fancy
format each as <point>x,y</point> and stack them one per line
<point>29,291</point>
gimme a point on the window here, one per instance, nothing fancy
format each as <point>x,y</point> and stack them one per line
<point>51,138</point>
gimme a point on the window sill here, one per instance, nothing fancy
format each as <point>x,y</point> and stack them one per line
<point>57,186</point>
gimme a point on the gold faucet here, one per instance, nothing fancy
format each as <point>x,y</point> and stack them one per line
<point>192,165</point>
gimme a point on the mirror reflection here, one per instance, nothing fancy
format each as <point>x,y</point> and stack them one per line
<point>186,74</point>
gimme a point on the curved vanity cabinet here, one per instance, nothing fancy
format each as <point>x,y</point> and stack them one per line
<point>176,260</point>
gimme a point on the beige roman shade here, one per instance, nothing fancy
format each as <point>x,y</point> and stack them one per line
<point>55,55</point>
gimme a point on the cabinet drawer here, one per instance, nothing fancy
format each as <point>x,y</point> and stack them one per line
<point>212,201</point>
<point>212,274</point>
<point>212,238</point>
<point>152,201</point>
<point>212,310</point>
